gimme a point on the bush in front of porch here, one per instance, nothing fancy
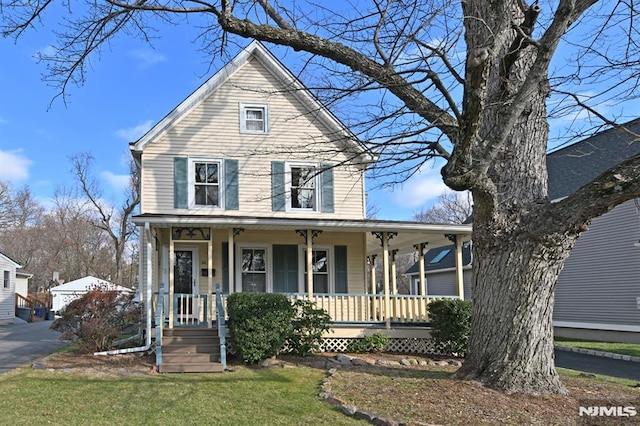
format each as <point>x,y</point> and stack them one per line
<point>259,324</point>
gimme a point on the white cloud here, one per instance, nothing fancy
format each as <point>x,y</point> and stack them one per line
<point>147,57</point>
<point>3,121</point>
<point>14,166</point>
<point>421,189</point>
<point>118,182</point>
<point>46,52</point>
<point>134,133</point>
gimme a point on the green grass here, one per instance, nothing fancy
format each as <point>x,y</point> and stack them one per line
<point>618,348</point>
<point>246,396</point>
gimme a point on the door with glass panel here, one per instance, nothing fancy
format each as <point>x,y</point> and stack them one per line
<point>185,283</point>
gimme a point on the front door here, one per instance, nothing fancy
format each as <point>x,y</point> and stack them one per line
<point>185,281</point>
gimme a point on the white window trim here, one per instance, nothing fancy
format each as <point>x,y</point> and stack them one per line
<point>243,118</point>
<point>6,284</point>
<point>302,275</point>
<point>238,259</point>
<point>192,184</point>
<point>288,181</point>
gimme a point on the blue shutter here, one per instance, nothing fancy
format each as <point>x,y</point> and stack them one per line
<point>285,268</point>
<point>341,269</point>
<point>326,188</point>
<point>278,195</point>
<point>180,190</point>
<point>231,184</point>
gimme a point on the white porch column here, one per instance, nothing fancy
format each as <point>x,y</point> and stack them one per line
<point>309,262</point>
<point>459,274</point>
<point>230,255</point>
<point>372,277</point>
<point>171,277</point>
<point>385,274</point>
<point>422,288</point>
<point>394,278</point>
<point>210,298</point>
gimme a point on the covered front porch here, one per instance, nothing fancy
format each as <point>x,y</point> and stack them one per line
<point>331,262</point>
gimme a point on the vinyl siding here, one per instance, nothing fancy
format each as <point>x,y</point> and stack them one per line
<point>353,241</point>
<point>7,298</point>
<point>212,130</point>
<point>601,279</point>
<point>444,283</point>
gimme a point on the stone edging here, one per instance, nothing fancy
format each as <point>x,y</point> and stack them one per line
<point>342,360</point>
<point>599,353</point>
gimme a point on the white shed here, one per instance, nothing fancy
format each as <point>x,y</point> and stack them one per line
<point>7,289</point>
<point>65,293</point>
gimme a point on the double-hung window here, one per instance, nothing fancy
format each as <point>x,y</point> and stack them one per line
<point>254,270</point>
<point>303,187</point>
<point>206,183</point>
<point>254,118</point>
<point>6,282</point>
<point>320,265</point>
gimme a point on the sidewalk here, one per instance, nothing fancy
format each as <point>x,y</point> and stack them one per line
<point>25,342</point>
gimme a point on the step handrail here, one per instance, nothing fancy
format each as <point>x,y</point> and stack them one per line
<point>220,321</point>
<point>159,324</point>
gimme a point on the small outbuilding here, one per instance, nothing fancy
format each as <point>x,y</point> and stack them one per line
<point>63,294</point>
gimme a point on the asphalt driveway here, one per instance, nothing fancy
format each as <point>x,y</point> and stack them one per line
<point>25,342</point>
<point>598,365</point>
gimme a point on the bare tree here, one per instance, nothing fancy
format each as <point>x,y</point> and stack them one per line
<point>116,224</point>
<point>451,207</point>
<point>467,82</point>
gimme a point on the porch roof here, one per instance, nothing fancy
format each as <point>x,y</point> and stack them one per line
<point>407,235</point>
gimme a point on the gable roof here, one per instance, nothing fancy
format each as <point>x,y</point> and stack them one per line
<point>574,166</point>
<point>83,284</point>
<point>258,51</point>
<point>7,258</point>
<point>447,262</point>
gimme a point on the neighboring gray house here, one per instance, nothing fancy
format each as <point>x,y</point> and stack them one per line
<point>598,292</point>
<point>7,289</point>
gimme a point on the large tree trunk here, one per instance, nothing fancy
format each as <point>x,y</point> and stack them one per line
<point>511,344</point>
<point>517,259</point>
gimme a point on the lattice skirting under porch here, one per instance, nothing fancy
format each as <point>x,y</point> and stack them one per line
<point>399,345</point>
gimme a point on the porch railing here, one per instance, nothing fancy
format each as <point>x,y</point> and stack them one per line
<point>222,328</point>
<point>342,308</point>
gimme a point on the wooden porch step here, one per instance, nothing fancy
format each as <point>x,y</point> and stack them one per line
<point>190,350</point>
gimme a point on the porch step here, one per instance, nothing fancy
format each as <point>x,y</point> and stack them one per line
<point>190,350</point>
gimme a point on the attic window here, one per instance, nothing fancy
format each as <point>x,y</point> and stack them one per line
<point>254,118</point>
<point>440,256</point>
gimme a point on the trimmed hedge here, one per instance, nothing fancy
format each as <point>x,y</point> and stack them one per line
<point>259,324</point>
<point>450,324</point>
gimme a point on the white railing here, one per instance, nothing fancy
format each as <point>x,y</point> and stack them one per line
<point>190,309</point>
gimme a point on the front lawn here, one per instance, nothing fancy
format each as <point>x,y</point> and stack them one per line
<point>245,397</point>
<point>616,348</point>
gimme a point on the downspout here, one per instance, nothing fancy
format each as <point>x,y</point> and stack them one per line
<point>149,294</point>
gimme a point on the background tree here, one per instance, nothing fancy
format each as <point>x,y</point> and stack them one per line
<point>115,223</point>
<point>451,207</point>
<point>467,82</point>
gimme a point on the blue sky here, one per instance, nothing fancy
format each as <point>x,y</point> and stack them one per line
<point>128,89</point>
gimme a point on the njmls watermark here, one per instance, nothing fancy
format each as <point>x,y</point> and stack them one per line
<point>622,410</point>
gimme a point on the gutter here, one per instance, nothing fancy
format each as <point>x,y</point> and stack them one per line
<point>147,346</point>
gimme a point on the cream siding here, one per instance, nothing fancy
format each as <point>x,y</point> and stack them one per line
<point>212,130</point>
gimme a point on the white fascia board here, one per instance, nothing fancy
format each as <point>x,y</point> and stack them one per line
<point>364,225</point>
<point>13,262</point>
<point>195,98</point>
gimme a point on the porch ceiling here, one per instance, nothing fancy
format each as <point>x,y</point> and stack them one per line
<point>407,234</point>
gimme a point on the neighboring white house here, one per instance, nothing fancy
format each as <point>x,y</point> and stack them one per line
<point>7,289</point>
<point>22,283</point>
<point>63,294</point>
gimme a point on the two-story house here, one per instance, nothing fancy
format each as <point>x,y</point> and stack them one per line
<point>251,183</point>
